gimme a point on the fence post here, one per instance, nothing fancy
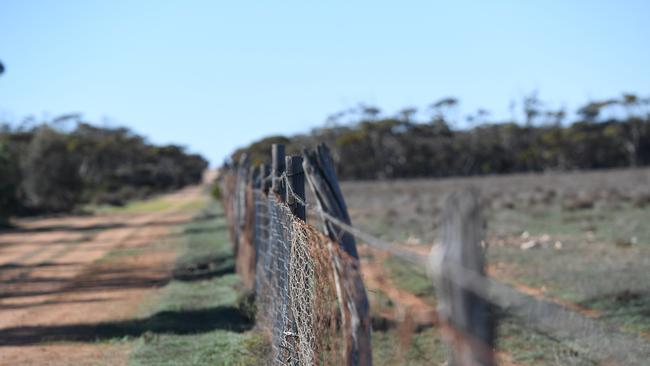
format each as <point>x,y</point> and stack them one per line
<point>240,199</point>
<point>258,175</point>
<point>245,255</point>
<point>321,175</point>
<point>296,186</point>
<point>319,170</point>
<point>277,168</point>
<point>468,323</point>
<point>265,183</point>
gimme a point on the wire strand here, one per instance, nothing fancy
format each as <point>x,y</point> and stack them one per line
<point>568,326</point>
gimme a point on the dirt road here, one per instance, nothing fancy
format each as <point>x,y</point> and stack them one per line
<point>69,285</point>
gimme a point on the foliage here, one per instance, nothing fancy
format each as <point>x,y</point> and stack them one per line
<point>215,192</point>
<point>50,168</point>
<point>606,134</point>
<point>9,181</point>
<point>50,175</point>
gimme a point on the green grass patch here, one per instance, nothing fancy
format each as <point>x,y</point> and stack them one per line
<point>578,272</point>
<point>626,223</point>
<point>527,347</point>
<point>413,279</point>
<point>423,348</point>
<point>193,205</point>
<point>215,332</point>
<point>155,204</point>
<point>627,309</point>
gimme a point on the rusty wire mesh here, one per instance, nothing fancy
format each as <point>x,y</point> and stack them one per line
<point>295,287</point>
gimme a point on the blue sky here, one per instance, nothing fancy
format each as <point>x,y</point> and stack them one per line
<point>215,75</point>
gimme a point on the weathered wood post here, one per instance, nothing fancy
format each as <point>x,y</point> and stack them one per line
<point>468,322</point>
<point>277,169</point>
<point>258,212</point>
<point>258,175</point>
<point>239,204</point>
<point>296,186</point>
<point>355,318</point>
<point>265,183</point>
<point>319,167</point>
<point>245,259</point>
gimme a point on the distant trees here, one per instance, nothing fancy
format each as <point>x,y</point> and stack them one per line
<point>50,174</point>
<point>48,169</point>
<point>9,182</point>
<point>607,133</point>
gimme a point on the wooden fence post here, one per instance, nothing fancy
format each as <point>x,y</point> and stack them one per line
<point>258,175</point>
<point>296,186</point>
<point>468,323</point>
<point>265,183</point>
<point>321,175</point>
<point>239,208</point>
<point>245,255</point>
<point>277,168</point>
<point>355,313</point>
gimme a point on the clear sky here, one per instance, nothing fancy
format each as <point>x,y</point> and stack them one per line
<point>215,75</point>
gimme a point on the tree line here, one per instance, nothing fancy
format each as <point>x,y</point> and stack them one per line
<point>48,168</point>
<point>367,145</point>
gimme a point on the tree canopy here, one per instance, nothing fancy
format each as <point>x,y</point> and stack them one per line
<point>47,168</point>
<point>604,134</point>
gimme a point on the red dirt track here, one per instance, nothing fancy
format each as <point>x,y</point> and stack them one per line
<point>60,277</point>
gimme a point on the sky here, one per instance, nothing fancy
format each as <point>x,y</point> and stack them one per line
<point>216,75</point>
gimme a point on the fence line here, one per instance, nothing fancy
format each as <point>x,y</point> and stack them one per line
<point>301,277</point>
<point>457,269</point>
<point>585,335</point>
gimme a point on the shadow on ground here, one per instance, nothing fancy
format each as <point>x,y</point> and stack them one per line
<point>100,280</point>
<point>204,269</point>
<point>97,227</point>
<point>166,322</point>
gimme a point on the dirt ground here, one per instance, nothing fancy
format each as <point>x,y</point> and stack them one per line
<point>65,282</point>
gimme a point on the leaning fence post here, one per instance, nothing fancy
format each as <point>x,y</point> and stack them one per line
<point>295,186</point>
<point>468,324</point>
<point>277,168</point>
<point>319,170</point>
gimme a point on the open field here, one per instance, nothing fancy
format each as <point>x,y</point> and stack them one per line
<point>579,239</point>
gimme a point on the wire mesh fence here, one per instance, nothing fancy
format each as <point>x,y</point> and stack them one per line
<point>294,280</point>
<point>311,301</point>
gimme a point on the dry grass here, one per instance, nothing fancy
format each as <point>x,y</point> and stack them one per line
<point>579,238</point>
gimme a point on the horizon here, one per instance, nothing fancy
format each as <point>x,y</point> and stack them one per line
<point>214,78</point>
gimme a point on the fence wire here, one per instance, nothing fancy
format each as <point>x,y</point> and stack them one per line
<point>589,338</point>
<point>295,290</point>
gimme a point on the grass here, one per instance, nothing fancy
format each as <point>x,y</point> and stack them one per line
<point>605,252</point>
<point>154,204</point>
<point>611,225</point>
<point>525,346</point>
<point>212,298</point>
<point>410,278</point>
<point>629,310</point>
<point>424,348</point>
<point>530,348</point>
